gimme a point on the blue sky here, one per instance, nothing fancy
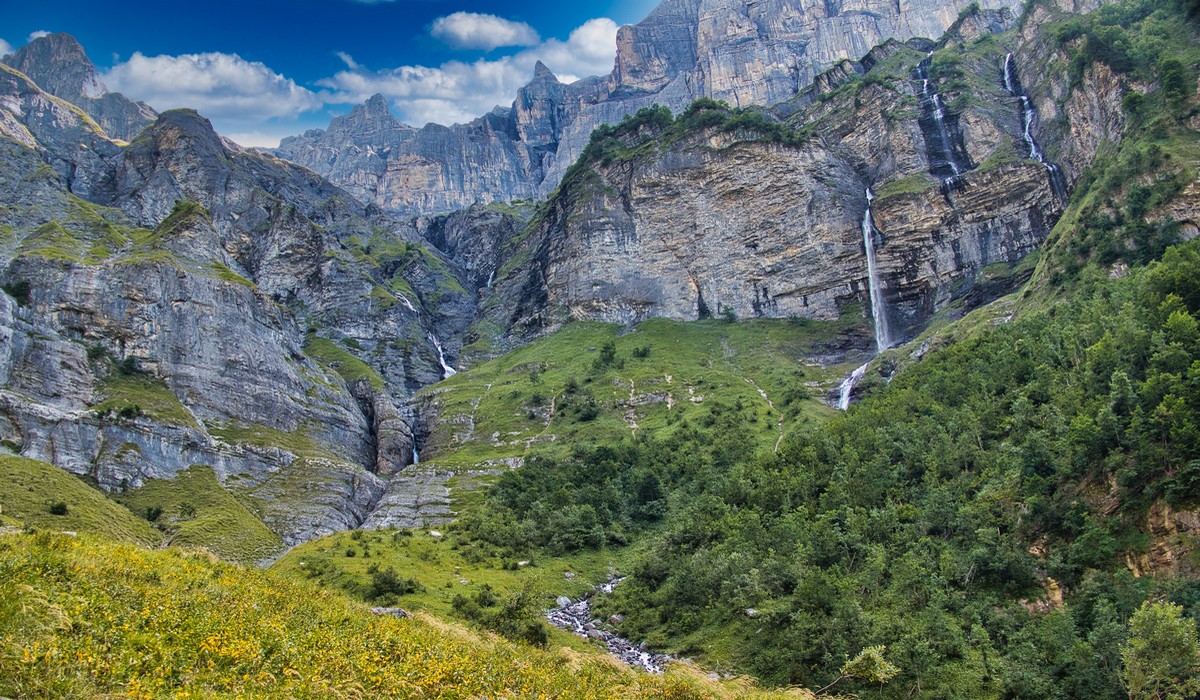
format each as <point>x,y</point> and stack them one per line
<point>262,69</point>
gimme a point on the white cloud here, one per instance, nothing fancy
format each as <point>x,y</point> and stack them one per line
<point>36,35</point>
<point>458,91</point>
<point>5,48</point>
<point>348,60</point>
<point>218,85</point>
<point>256,139</point>
<point>469,30</point>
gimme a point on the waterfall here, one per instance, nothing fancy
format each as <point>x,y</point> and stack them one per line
<point>491,279</point>
<point>942,160</point>
<point>416,455</point>
<point>447,370</point>
<point>878,312</point>
<point>883,338</point>
<point>848,384</point>
<point>1028,117</point>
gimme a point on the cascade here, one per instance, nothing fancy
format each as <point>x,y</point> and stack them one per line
<point>883,338</point>
<point>416,455</point>
<point>942,160</point>
<point>878,313</point>
<point>1028,117</point>
<point>848,384</point>
<point>447,370</point>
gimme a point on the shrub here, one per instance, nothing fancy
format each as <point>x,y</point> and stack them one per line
<point>386,585</point>
<point>58,508</point>
<point>18,290</point>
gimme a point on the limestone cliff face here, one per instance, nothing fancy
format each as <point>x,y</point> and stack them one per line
<point>241,312</point>
<point>432,170</point>
<point>703,221</point>
<point>58,64</point>
<point>754,53</point>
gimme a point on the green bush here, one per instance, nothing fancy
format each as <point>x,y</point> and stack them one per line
<point>19,290</point>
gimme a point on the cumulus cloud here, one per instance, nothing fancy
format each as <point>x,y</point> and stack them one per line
<point>459,91</point>
<point>218,85</point>
<point>36,35</point>
<point>469,30</point>
<point>5,48</point>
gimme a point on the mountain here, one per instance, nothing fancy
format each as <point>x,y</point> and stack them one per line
<point>180,301</point>
<point>58,64</point>
<point>980,247</point>
<point>754,53</point>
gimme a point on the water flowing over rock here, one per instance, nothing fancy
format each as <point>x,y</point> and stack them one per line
<point>1028,118</point>
<point>576,617</point>
<point>846,388</point>
<point>883,339</point>
<point>944,145</point>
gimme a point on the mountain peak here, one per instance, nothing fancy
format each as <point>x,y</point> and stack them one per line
<point>377,104</point>
<point>60,66</point>
<point>541,73</point>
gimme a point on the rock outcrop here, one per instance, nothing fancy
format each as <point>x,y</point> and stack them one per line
<point>754,53</point>
<point>58,64</point>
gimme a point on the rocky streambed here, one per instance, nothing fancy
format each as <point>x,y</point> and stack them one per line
<point>576,616</point>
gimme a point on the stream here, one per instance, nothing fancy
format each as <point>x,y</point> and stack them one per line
<point>576,616</point>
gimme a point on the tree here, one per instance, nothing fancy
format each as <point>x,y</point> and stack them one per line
<point>869,666</point>
<point>1162,657</point>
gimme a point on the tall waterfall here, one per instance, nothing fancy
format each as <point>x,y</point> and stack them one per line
<point>943,161</point>
<point>1028,117</point>
<point>883,338</point>
<point>447,370</point>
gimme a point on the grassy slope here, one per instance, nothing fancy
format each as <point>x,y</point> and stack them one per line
<point>502,408</point>
<point>29,487</point>
<point>198,512</point>
<point>440,568</point>
<point>80,618</point>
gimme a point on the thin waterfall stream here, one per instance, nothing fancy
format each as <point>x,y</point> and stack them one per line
<point>883,337</point>
<point>1028,118</point>
<point>943,160</point>
<point>447,370</point>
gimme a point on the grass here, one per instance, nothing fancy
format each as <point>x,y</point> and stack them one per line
<point>509,405</point>
<point>83,618</point>
<point>443,568</point>
<point>145,394</point>
<point>917,183</point>
<point>299,442</point>
<point>28,488</point>
<point>335,357</point>
<point>222,272</point>
<point>196,511</point>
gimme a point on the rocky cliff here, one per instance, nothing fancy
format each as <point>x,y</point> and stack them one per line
<point>744,53</point>
<point>58,64</point>
<point>179,301</point>
<point>753,213</point>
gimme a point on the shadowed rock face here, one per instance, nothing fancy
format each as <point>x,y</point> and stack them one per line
<point>755,53</point>
<point>58,64</point>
